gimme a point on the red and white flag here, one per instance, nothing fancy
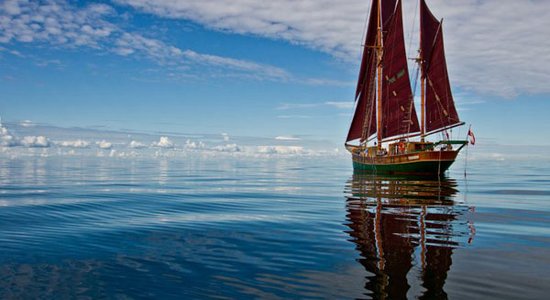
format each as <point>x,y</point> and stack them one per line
<point>471,136</point>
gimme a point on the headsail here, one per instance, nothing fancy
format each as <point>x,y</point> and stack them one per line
<point>398,112</point>
<point>440,107</point>
<point>364,122</point>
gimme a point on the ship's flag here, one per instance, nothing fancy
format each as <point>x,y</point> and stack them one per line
<point>471,136</point>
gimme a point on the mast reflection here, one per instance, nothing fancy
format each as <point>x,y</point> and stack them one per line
<point>405,229</point>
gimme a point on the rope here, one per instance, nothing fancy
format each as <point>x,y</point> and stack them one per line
<point>439,167</point>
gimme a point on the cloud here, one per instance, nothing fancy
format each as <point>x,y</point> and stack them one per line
<point>136,145</point>
<point>54,22</point>
<point>496,47</point>
<point>189,144</point>
<point>74,144</point>
<point>164,142</point>
<point>35,142</point>
<point>341,105</point>
<point>6,139</point>
<point>287,138</point>
<point>280,150</point>
<point>26,123</point>
<point>104,144</point>
<point>227,148</point>
<point>318,24</point>
<point>60,24</point>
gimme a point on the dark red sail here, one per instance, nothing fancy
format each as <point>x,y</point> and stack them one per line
<point>388,8</point>
<point>398,112</point>
<point>440,107</point>
<point>368,49</point>
<point>364,119</point>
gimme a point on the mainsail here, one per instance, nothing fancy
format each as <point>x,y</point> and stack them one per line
<point>398,112</point>
<point>440,107</point>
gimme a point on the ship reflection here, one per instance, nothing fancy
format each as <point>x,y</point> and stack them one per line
<point>406,230</point>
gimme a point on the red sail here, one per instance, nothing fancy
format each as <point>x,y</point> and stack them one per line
<point>388,7</point>
<point>398,112</point>
<point>364,120</point>
<point>440,107</point>
<point>368,49</point>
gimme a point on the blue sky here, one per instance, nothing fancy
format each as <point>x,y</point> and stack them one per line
<point>246,68</point>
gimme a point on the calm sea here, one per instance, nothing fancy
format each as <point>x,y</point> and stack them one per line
<point>270,228</point>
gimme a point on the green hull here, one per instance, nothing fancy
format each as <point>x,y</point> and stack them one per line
<point>420,167</point>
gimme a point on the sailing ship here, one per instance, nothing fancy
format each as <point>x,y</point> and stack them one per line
<point>385,110</point>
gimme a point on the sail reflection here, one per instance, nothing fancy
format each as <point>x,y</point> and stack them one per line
<point>406,229</point>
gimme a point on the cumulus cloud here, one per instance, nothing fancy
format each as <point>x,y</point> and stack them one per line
<point>495,46</point>
<point>74,144</point>
<point>61,24</point>
<point>164,142</point>
<point>6,138</point>
<point>104,144</point>
<point>35,142</point>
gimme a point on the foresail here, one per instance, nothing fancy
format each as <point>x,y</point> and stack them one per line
<point>398,111</point>
<point>440,108</point>
<point>368,51</point>
<point>363,124</point>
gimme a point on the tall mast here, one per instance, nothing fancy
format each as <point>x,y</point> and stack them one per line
<point>422,86</point>
<point>379,51</point>
<point>422,101</point>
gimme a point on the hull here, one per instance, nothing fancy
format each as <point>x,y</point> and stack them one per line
<point>420,163</point>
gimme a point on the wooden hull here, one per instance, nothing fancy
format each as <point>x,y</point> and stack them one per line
<point>420,163</point>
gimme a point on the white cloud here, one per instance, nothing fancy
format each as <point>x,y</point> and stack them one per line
<point>164,142</point>
<point>26,123</point>
<point>136,145</point>
<point>280,150</point>
<point>287,138</point>
<point>6,139</point>
<point>61,24</point>
<point>341,104</point>
<point>189,144</point>
<point>227,148</point>
<point>35,142</point>
<point>319,24</point>
<point>104,144</point>
<point>497,47</point>
<point>74,144</point>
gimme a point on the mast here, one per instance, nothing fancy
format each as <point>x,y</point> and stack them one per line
<point>422,104</point>
<point>379,51</point>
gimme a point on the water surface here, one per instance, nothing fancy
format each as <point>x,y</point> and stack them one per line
<point>270,228</point>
